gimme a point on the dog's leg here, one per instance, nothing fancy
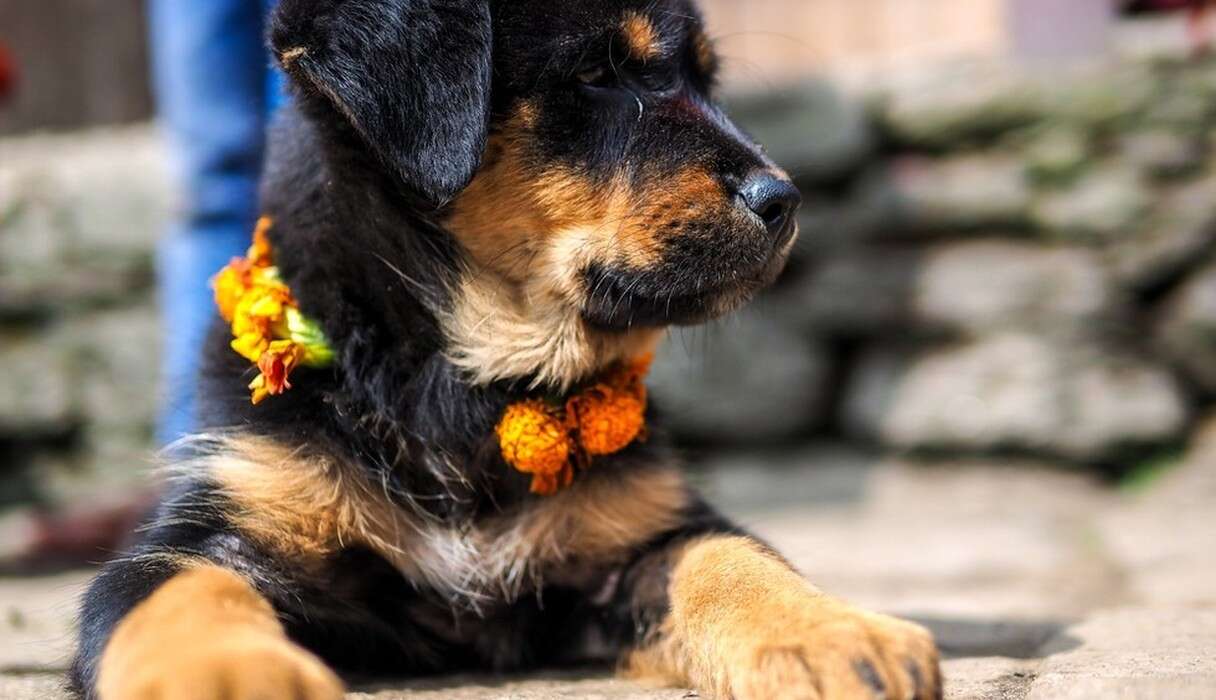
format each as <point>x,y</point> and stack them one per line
<point>730,617</point>
<point>248,563</point>
<point>206,633</point>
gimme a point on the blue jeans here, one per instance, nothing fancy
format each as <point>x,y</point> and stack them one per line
<point>215,88</point>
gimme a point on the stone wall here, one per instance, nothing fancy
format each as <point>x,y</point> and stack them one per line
<point>990,263</point>
<point>78,330</point>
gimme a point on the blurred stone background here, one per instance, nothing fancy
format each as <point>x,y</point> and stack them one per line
<point>991,261</point>
<point>998,257</point>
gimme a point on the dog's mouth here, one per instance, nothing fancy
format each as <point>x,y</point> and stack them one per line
<point>623,299</point>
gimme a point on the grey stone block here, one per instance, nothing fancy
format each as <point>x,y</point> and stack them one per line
<point>968,103</point>
<point>1187,332</point>
<point>860,291</point>
<point>984,285</point>
<point>1070,398</point>
<point>1179,110</point>
<point>1177,236</point>
<point>811,129</point>
<point>117,353</point>
<point>975,286</point>
<point>965,192</point>
<point>1054,152</point>
<point>79,214</point>
<point>39,391</point>
<point>749,378</point>
<point>1108,201</point>
<point>1162,152</point>
<point>1099,97</point>
<point>869,207</point>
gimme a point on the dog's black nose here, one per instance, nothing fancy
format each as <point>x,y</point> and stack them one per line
<point>773,199</point>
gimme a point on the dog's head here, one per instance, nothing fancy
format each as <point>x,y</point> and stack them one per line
<point>573,149</point>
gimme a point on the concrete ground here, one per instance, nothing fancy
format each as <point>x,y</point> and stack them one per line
<point>1039,584</point>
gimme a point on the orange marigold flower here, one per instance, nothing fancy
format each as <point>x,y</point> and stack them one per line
<point>607,418</point>
<point>276,365</point>
<point>545,441</point>
<point>549,484</point>
<point>534,440</point>
<point>260,254</point>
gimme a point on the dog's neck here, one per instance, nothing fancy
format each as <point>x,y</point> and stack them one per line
<point>497,330</point>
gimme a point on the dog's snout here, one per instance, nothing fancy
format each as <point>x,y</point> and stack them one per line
<point>773,199</point>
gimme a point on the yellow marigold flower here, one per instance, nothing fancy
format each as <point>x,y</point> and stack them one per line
<point>250,345</point>
<point>258,390</point>
<point>230,285</point>
<point>534,440</point>
<point>607,418</point>
<point>261,309</point>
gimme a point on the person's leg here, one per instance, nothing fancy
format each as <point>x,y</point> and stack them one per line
<point>276,82</point>
<point>215,85</point>
<point>210,76</point>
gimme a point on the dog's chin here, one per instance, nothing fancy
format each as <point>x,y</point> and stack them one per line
<point>619,313</point>
<point>621,300</point>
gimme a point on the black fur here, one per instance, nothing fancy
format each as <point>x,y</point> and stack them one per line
<point>412,79</point>
<point>394,100</point>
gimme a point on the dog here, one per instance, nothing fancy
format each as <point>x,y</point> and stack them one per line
<point>491,210</point>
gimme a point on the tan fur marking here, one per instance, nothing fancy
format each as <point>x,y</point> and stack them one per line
<point>304,508</point>
<point>496,332</point>
<point>641,36</point>
<point>744,624</point>
<point>206,633</point>
<point>512,209</point>
<point>512,214</point>
<point>561,538</point>
<point>308,508</point>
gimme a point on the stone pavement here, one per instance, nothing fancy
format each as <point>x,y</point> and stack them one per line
<point>1038,583</point>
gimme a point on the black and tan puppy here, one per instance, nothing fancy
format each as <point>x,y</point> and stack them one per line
<point>480,201</point>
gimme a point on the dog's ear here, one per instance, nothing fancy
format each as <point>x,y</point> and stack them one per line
<point>411,76</point>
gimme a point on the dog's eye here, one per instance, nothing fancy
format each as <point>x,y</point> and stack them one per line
<point>595,76</point>
<point>662,78</point>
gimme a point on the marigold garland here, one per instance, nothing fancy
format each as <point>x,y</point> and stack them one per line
<point>546,440</point>
<point>267,326</point>
<point>538,437</point>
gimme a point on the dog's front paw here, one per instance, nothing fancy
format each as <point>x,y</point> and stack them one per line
<point>206,634</point>
<point>257,667</point>
<point>744,625</point>
<point>826,650</point>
